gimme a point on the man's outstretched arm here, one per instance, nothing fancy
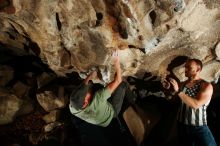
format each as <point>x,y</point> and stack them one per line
<point>203,97</point>
<point>117,80</point>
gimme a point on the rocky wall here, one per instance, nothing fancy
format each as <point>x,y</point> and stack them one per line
<point>153,38</point>
<point>72,35</point>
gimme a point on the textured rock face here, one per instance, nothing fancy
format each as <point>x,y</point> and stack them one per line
<point>153,38</point>
<point>75,35</point>
<point>10,105</point>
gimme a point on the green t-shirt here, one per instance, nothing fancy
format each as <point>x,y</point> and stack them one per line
<point>99,111</point>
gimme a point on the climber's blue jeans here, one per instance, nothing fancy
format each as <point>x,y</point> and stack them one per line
<point>195,135</point>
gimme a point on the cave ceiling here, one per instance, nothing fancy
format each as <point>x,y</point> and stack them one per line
<point>78,35</point>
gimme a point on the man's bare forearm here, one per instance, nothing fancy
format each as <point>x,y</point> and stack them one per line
<point>118,75</point>
<point>117,80</point>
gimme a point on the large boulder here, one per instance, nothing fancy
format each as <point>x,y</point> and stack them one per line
<point>9,106</point>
